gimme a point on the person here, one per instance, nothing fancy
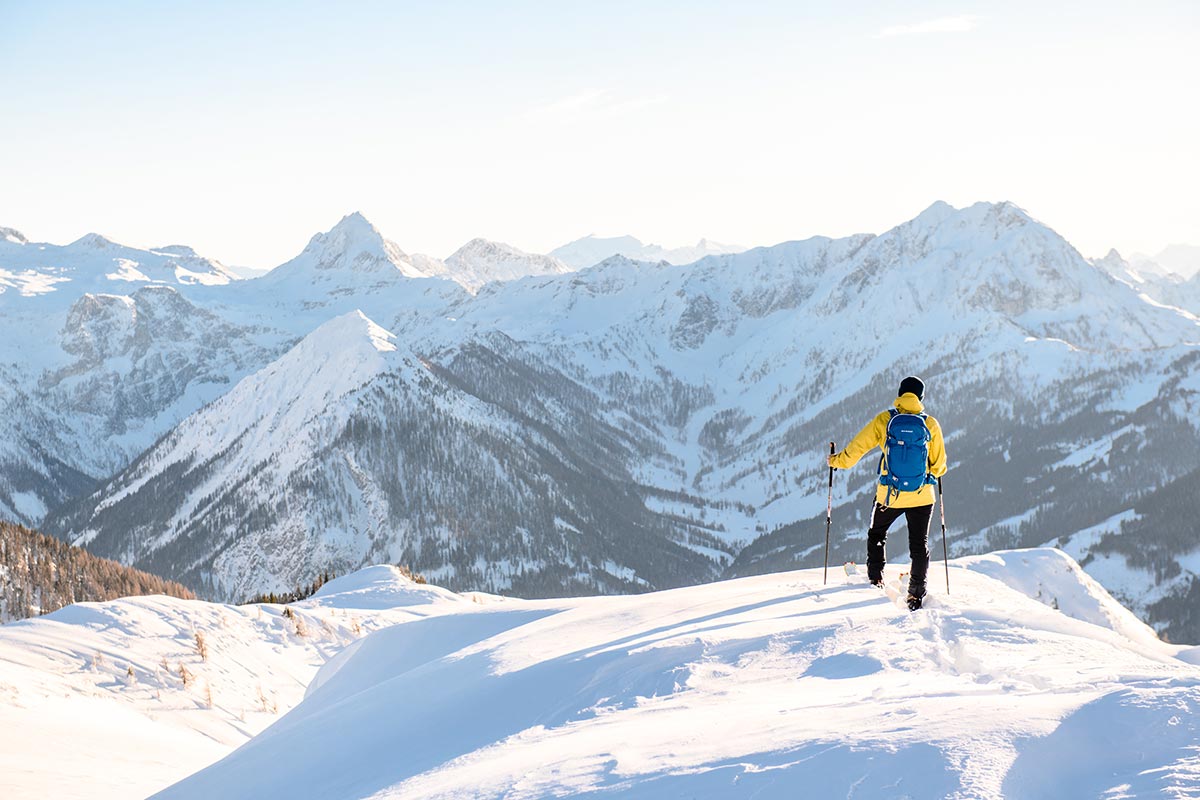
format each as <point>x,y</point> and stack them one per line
<point>916,505</point>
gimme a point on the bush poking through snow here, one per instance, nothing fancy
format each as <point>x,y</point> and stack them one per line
<point>202,645</point>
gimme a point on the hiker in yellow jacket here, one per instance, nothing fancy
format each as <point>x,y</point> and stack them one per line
<point>916,506</point>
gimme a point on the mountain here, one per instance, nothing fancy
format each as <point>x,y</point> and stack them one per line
<point>593,249</point>
<point>353,257</point>
<point>479,261</point>
<point>648,425</point>
<point>93,263</point>
<point>1180,259</point>
<point>112,374</point>
<point>1028,681</point>
<point>351,449</point>
<point>113,700</point>
<point>1154,281</point>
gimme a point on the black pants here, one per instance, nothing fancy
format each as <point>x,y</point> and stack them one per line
<point>918,543</point>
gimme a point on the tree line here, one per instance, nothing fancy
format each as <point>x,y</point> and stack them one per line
<point>40,574</point>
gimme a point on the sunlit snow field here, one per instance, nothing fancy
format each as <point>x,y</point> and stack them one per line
<point>767,686</point>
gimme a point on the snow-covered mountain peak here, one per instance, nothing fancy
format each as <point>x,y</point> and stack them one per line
<point>484,247</point>
<point>350,329</point>
<point>934,215</point>
<point>983,218</point>
<point>351,257</point>
<point>482,261</point>
<point>13,235</point>
<point>94,241</point>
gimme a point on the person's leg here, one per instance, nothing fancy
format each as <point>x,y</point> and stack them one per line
<point>881,519</point>
<point>918,546</point>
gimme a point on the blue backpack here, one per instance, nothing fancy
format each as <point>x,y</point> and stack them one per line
<point>904,466</point>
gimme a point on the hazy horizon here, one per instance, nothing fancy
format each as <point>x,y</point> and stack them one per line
<point>242,130</point>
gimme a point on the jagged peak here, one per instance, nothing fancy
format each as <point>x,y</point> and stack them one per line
<point>352,231</point>
<point>352,245</point>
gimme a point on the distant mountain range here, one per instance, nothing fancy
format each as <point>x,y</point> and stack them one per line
<point>499,421</point>
<point>593,249</point>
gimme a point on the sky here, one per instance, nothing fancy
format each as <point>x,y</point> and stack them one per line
<point>243,128</point>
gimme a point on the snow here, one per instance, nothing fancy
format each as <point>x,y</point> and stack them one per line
<point>127,271</point>
<point>767,686</point>
<point>28,505</point>
<point>74,724</point>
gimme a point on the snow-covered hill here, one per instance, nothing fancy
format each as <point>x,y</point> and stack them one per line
<point>1027,681</point>
<point>593,249</point>
<point>118,699</point>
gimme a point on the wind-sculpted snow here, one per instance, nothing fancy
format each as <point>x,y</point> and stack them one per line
<point>768,686</point>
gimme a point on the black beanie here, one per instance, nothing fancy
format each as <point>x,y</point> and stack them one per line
<point>914,385</point>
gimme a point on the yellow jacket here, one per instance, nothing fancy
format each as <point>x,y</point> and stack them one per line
<point>875,435</point>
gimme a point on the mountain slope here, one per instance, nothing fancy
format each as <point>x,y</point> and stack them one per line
<point>765,686</point>
<point>349,449</point>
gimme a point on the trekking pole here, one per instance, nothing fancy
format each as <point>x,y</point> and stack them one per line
<point>945,553</point>
<point>828,518</point>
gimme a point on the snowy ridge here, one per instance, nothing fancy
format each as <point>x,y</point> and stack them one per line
<point>94,263</point>
<point>761,686</point>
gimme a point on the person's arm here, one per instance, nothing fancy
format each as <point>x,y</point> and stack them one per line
<point>937,449</point>
<point>866,440</point>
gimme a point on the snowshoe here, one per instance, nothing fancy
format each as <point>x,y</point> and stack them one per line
<point>914,602</point>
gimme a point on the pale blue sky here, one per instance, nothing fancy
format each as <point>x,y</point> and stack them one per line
<point>243,128</point>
